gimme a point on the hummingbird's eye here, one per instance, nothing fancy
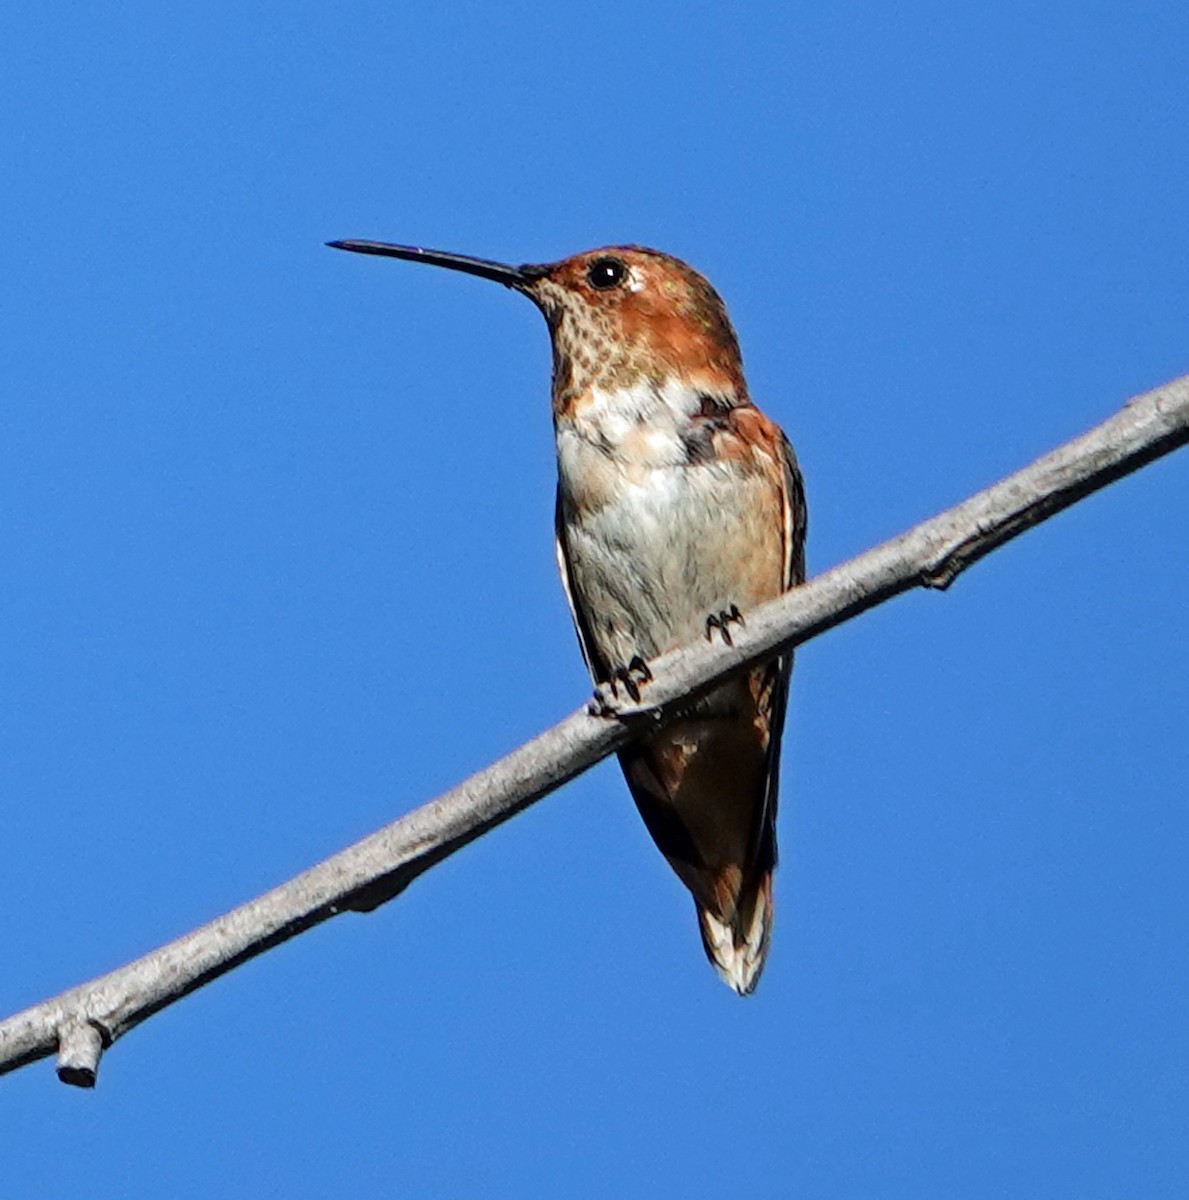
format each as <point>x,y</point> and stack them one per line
<point>606,273</point>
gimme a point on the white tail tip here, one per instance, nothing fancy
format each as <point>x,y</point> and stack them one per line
<point>738,948</point>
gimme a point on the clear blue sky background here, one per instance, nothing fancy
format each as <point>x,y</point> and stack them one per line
<point>276,544</point>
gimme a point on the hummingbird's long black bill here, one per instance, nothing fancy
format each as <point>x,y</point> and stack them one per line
<point>513,277</point>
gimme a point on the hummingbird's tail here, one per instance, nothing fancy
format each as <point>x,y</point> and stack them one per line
<point>737,947</point>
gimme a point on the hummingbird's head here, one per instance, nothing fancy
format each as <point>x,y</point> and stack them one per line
<point>617,316</point>
<point>622,314</point>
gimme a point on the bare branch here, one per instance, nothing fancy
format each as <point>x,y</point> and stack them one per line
<point>82,1022</point>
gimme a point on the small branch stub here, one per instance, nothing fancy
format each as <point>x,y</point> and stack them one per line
<point>80,1046</point>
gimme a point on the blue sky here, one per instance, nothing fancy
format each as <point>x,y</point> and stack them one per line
<point>277,544</point>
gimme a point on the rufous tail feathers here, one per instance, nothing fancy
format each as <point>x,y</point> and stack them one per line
<point>737,947</point>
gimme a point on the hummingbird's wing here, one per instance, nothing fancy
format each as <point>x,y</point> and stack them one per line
<point>775,680</point>
<point>595,663</point>
<point>796,515</point>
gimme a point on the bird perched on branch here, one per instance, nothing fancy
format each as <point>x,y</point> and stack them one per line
<point>679,507</point>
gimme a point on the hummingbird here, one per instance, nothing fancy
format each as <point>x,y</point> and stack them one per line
<point>679,507</point>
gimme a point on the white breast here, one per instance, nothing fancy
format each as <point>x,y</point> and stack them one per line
<point>656,542</point>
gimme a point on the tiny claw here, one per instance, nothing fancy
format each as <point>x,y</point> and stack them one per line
<point>641,668</point>
<point>721,625</point>
<point>721,621</point>
<point>632,677</point>
<point>606,701</point>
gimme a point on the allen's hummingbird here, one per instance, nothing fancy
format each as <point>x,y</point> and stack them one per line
<point>679,508</point>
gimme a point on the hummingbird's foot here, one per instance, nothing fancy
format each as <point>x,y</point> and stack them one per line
<point>606,701</point>
<point>633,677</point>
<point>721,620</point>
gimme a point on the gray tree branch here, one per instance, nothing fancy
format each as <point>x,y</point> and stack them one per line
<point>81,1023</point>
